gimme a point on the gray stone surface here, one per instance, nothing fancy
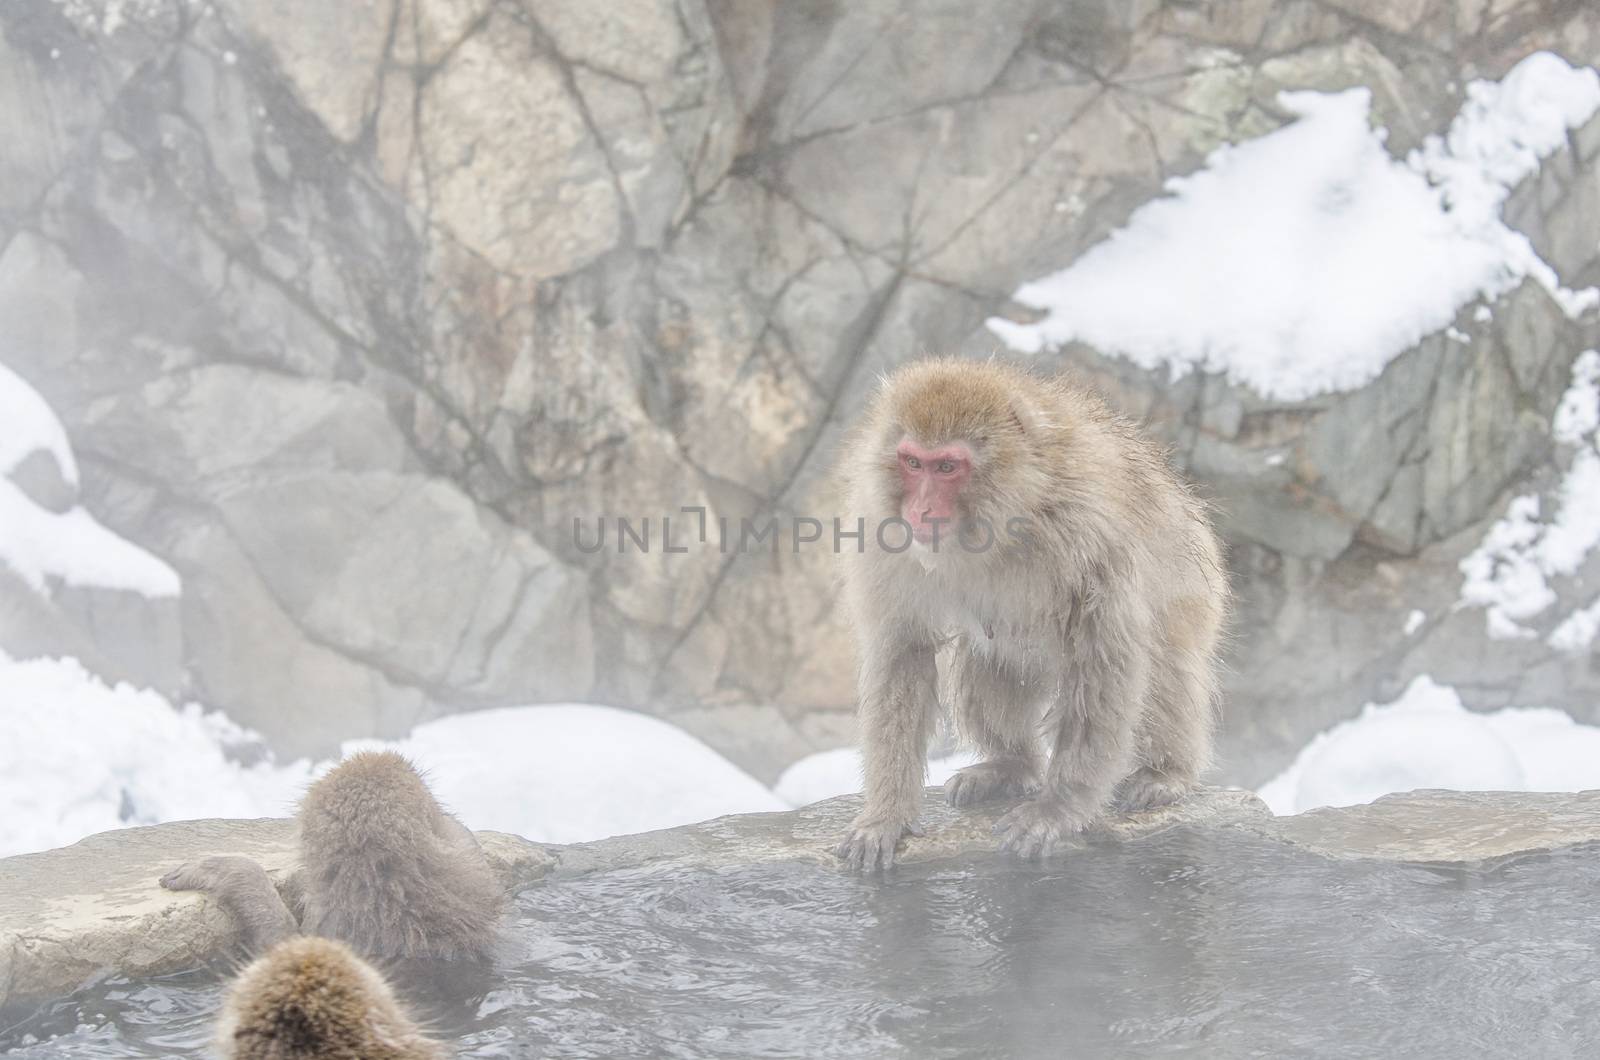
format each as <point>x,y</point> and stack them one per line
<point>352,309</point>
<point>118,634</point>
<point>121,636</point>
<point>39,476</point>
<point>69,914</point>
<point>1447,826</point>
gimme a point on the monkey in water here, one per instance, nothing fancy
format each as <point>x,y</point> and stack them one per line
<point>383,868</point>
<point>313,999</point>
<point>1078,578</point>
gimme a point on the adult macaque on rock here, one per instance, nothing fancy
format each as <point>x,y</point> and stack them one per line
<point>1078,577</point>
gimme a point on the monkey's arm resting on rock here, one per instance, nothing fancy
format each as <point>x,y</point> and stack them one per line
<point>898,698</point>
<point>243,891</point>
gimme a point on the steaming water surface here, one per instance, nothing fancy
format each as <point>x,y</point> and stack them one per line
<point>1211,941</point>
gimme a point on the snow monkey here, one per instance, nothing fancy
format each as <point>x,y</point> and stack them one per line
<point>313,999</point>
<point>382,868</point>
<point>1078,578</point>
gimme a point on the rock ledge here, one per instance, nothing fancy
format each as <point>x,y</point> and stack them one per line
<point>68,915</point>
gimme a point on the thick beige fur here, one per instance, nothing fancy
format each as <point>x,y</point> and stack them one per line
<point>313,999</point>
<point>1084,641</point>
<point>382,867</point>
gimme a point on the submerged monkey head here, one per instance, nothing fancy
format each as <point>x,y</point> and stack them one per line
<point>313,999</point>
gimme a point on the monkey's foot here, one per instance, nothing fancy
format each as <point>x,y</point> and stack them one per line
<point>871,843</point>
<point>1147,789</point>
<point>1037,827</point>
<point>999,778</point>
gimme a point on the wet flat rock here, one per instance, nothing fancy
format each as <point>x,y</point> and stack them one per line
<point>70,914</point>
<point>67,915</point>
<point>1447,826</point>
<point>808,834</point>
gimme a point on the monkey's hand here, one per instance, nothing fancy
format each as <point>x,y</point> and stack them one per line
<point>872,841</point>
<point>242,889</point>
<point>210,874</point>
<point>1036,828</point>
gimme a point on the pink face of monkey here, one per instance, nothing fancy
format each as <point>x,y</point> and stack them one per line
<point>931,481</point>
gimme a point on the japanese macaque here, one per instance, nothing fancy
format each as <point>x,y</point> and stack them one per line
<point>382,868</point>
<point>1078,579</point>
<point>313,999</point>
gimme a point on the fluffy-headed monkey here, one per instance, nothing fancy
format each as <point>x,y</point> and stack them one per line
<point>312,999</point>
<point>1078,577</point>
<point>382,867</point>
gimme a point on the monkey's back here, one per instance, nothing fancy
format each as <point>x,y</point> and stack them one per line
<point>1166,528</point>
<point>386,870</point>
<point>1155,524</point>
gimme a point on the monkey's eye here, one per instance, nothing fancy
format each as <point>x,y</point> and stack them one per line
<point>913,463</point>
<point>946,467</point>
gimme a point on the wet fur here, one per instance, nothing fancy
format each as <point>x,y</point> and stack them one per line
<point>1085,666</point>
<point>387,870</point>
<point>382,867</point>
<point>313,999</point>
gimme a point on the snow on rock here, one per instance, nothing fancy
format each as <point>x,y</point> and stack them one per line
<point>1313,219</point>
<point>1578,414</point>
<point>1509,573</point>
<point>1427,739</point>
<point>74,548</point>
<point>1577,631</point>
<point>106,18</point>
<point>27,425</point>
<point>42,546</point>
<point>569,773</point>
<point>79,756</point>
<point>1503,131</point>
<point>838,772</point>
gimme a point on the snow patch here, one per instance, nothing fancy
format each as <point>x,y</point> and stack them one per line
<point>1252,267</point>
<point>1427,739</point>
<point>1509,573</point>
<point>71,546</point>
<point>27,425</point>
<point>1578,414</point>
<point>79,756</point>
<point>570,773</point>
<point>1577,631</point>
<point>1414,621</point>
<point>116,14</point>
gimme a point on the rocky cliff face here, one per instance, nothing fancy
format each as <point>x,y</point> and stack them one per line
<point>352,309</point>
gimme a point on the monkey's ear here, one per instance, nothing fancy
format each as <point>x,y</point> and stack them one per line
<point>1026,416</point>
